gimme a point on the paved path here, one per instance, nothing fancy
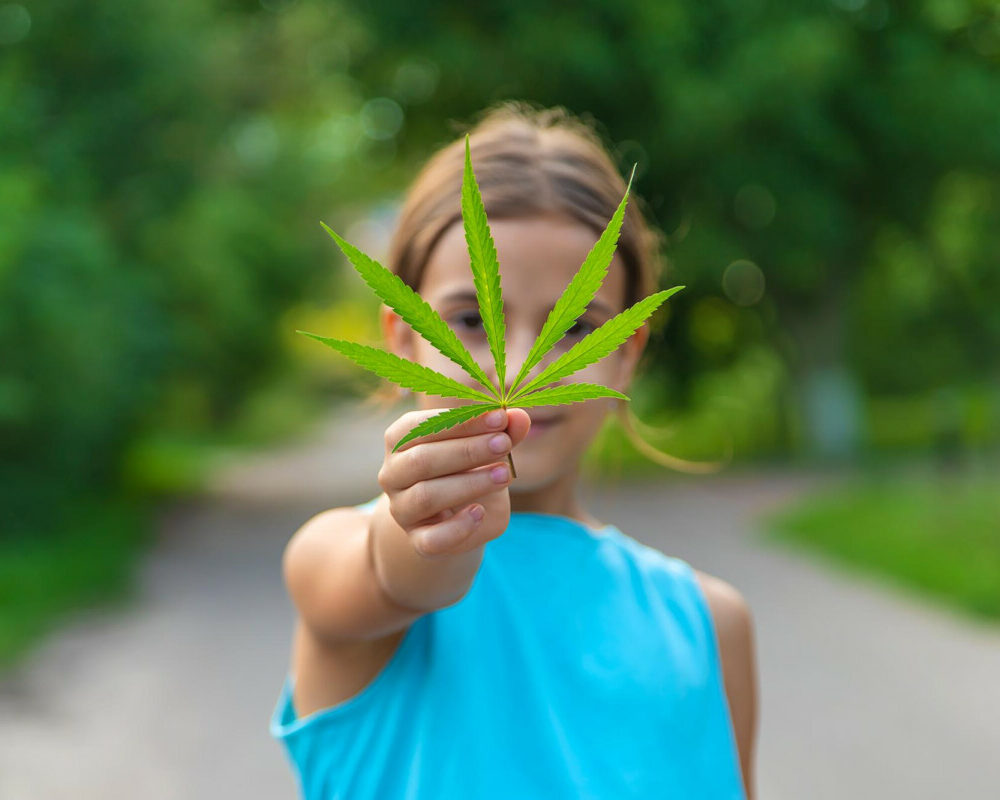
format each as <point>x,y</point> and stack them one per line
<point>866,691</point>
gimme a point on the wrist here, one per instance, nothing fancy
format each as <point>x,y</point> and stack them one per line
<point>375,561</point>
<point>410,580</point>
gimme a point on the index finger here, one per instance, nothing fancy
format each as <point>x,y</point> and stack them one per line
<point>495,420</point>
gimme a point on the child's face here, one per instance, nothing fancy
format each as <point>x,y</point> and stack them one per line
<point>538,257</point>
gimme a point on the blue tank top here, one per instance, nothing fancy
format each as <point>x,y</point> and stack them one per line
<point>581,664</point>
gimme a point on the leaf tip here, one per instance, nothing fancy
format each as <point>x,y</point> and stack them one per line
<point>333,234</point>
<point>631,177</point>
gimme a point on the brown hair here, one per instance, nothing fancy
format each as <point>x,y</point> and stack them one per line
<point>528,161</point>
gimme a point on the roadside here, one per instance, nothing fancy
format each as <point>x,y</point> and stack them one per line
<point>866,691</point>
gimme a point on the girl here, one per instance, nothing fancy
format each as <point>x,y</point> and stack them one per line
<point>466,635</point>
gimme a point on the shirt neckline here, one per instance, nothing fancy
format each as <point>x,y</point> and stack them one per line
<point>566,521</point>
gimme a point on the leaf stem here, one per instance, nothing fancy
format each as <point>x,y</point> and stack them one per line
<point>510,459</point>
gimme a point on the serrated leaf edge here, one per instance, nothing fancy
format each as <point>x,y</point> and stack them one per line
<point>571,304</point>
<point>459,414</point>
<point>453,350</point>
<point>591,391</point>
<point>485,268</point>
<point>597,339</point>
<point>446,387</point>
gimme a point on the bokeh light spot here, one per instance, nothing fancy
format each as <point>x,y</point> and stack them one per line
<point>277,6</point>
<point>415,81</point>
<point>754,206</point>
<point>713,326</point>
<point>15,22</point>
<point>850,5</point>
<point>381,118</point>
<point>256,142</point>
<point>743,282</point>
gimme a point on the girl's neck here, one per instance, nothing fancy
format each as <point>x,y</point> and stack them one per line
<point>558,497</point>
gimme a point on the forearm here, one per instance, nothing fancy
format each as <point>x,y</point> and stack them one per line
<point>408,578</point>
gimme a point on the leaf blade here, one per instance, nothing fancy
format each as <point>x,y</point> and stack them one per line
<point>485,267</point>
<point>413,309</point>
<point>399,370</point>
<point>569,393</point>
<point>446,419</point>
<point>580,292</point>
<point>599,343</point>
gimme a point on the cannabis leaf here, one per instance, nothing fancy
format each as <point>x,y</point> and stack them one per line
<point>399,370</point>
<point>412,308</point>
<point>597,344</point>
<point>581,290</point>
<point>573,302</point>
<point>485,269</point>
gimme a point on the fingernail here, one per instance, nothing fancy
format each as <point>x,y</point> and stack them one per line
<point>498,443</point>
<point>499,474</point>
<point>477,513</point>
<point>494,419</point>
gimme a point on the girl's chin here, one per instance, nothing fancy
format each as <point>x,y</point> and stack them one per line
<point>536,465</point>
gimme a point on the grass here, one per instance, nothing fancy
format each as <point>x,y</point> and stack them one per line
<point>937,534</point>
<point>86,558</point>
<point>174,463</point>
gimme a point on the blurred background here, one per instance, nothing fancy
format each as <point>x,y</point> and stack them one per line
<point>827,174</point>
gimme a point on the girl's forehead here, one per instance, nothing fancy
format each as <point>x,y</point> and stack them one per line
<point>538,257</point>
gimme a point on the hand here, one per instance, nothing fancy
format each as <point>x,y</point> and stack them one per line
<point>448,490</point>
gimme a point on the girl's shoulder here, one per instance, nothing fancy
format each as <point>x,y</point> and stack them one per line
<point>734,630</point>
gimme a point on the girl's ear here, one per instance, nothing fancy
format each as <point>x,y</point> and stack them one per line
<point>398,335</point>
<point>631,352</point>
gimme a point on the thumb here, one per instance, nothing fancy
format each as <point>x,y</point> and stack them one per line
<point>518,423</point>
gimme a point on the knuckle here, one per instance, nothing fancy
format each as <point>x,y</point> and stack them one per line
<point>395,510</point>
<point>420,500</point>
<point>398,429</point>
<point>382,478</point>
<point>419,547</point>
<point>418,460</point>
<point>471,450</point>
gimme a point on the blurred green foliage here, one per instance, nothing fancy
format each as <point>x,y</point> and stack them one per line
<point>163,168</point>
<point>828,171</point>
<point>86,559</point>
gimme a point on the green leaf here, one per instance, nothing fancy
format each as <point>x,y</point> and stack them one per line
<point>413,310</point>
<point>400,370</point>
<point>570,393</point>
<point>597,344</point>
<point>446,419</point>
<point>581,291</point>
<point>485,269</point>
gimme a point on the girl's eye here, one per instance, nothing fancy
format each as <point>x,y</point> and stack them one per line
<point>580,328</point>
<point>469,321</point>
